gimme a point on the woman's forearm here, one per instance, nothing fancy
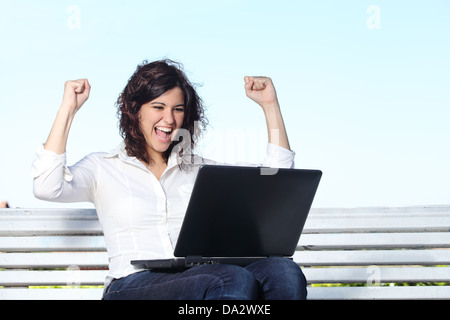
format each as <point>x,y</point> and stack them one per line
<point>57,139</point>
<point>275,126</point>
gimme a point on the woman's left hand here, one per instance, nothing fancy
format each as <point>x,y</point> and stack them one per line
<point>261,90</point>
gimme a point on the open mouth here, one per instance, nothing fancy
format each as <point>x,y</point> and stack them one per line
<point>163,133</point>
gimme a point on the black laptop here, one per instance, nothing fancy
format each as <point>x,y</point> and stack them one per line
<point>238,215</point>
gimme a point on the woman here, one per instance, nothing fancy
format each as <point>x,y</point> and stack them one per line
<point>141,189</point>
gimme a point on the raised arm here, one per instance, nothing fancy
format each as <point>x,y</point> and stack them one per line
<point>52,179</point>
<point>262,91</point>
<point>76,93</point>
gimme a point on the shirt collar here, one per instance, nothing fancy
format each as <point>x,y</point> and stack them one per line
<point>119,151</point>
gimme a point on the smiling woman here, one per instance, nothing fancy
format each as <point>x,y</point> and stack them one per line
<point>141,190</point>
<point>157,100</point>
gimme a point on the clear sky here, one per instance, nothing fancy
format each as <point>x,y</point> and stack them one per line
<point>364,85</point>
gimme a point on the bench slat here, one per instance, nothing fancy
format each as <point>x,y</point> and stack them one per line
<point>313,275</point>
<point>354,293</point>
<point>50,227</point>
<point>54,260</point>
<point>348,225</point>
<point>382,274</point>
<point>373,257</point>
<point>304,258</point>
<point>374,240</point>
<point>378,211</point>
<point>357,215</point>
<point>429,209</point>
<point>51,294</point>
<point>315,293</point>
<point>413,224</point>
<point>52,243</point>
<point>52,278</point>
<point>46,213</point>
<point>307,242</point>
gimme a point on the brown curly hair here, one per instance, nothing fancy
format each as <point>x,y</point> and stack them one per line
<point>149,81</point>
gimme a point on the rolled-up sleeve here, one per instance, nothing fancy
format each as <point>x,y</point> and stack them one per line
<point>54,181</point>
<point>278,157</point>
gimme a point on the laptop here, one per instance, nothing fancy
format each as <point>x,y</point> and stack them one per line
<point>237,215</point>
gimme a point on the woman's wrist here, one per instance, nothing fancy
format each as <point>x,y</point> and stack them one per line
<point>66,110</point>
<point>271,107</point>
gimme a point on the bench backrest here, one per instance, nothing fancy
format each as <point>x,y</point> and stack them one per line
<point>381,248</point>
<point>360,246</point>
<point>51,247</point>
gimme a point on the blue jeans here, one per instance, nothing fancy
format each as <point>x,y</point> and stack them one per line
<point>270,279</point>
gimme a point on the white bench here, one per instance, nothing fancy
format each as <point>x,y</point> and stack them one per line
<point>373,247</point>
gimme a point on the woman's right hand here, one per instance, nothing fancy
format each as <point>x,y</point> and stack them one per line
<point>76,92</point>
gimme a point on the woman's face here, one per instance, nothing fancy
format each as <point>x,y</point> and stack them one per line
<point>160,118</point>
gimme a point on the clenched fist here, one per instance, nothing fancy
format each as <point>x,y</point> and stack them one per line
<point>261,90</point>
<point>76,92</point>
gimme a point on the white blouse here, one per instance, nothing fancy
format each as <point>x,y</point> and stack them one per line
<point>141,216</point>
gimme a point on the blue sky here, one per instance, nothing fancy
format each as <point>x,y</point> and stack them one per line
<point>364,85</point>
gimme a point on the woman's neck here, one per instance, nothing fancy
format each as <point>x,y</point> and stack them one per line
<point>157,163</point>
